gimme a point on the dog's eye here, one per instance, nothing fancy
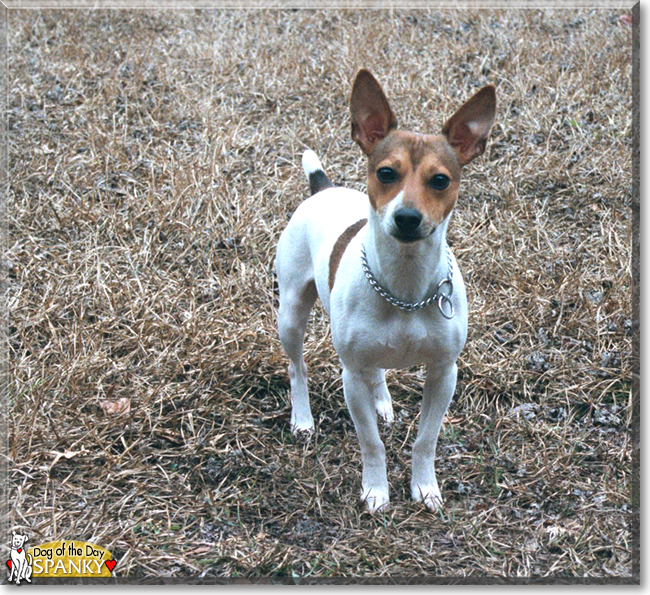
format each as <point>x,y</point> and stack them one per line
<point>387,175</point>
<point>439,182</point>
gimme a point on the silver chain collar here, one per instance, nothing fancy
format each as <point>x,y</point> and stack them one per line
<point>439,297</point>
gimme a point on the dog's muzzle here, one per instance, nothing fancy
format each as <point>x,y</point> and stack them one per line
<point>407,226</point>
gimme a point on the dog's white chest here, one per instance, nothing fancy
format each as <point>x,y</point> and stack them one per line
<point>420,341</point>
<point>400,340</point>
<point>405,337</point>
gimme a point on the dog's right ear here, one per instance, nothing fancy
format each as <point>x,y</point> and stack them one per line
<point>372,118</point>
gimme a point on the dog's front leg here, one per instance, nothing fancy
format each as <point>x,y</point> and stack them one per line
<point>438,390</point>
<point>383,403</point>
<point>359,396</point>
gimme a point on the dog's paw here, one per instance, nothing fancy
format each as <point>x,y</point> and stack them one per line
<point>429,495</point>
<point>303,429</point>
<point>385,411</point>
<point>375,498</point>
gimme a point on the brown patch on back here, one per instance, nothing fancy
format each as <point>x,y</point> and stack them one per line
<point>339,248</point>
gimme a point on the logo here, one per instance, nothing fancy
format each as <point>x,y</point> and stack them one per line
<point>20,564</point>
<point>58,559</point>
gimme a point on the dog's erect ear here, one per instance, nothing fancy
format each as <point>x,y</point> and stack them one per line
<point>372,118</point>
<point>467,130</point>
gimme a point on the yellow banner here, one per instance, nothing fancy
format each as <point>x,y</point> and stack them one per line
<point>65,559</point>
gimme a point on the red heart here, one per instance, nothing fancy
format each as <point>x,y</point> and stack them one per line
<point>9,563</point>
<point>20,550</point>
<point>110,564</point>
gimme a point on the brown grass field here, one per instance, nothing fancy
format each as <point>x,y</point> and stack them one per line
<point>154,159</point>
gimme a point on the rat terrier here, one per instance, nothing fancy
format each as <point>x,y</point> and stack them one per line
<point>384,272</point>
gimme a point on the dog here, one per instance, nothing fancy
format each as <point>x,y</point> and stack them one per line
<point>381,265</point>
<point>21,568</point>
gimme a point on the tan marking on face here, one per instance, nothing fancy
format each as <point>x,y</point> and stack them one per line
<point>416,158</point>
<point>388,154</point>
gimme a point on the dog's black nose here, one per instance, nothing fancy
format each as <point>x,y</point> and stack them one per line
<point>407,219</point>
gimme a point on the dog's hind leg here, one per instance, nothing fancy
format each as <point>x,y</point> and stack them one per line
<point>293,315</point>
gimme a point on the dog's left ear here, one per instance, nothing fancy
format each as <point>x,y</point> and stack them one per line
<point>467,130</point>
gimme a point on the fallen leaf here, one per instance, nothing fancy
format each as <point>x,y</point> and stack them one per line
<point>202,549</point>
<point>68,454</point>
<point>118,407</point>
<point>627,19</point>
<point>452,421</point>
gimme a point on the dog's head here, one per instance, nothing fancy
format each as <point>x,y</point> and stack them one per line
<point>413,179</point>
<point>17,540</point>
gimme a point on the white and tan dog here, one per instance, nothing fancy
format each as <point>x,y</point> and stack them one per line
<point>383,271</point>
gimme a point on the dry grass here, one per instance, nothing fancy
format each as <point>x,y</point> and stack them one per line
<point>153,162</point>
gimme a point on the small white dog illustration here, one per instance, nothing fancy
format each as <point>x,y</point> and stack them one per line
<point>21,568</point>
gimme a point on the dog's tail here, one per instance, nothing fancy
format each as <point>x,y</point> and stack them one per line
<point>317,177</point>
